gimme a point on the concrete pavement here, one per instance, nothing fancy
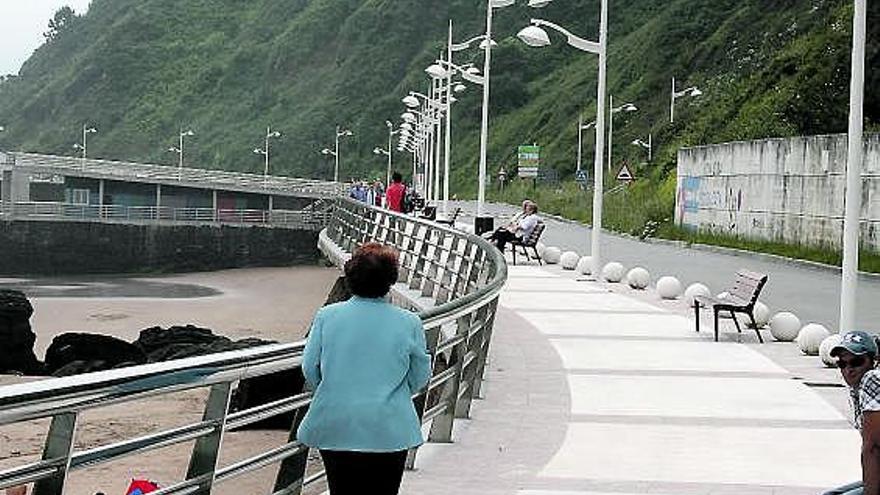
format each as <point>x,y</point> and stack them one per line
<point>594,389</point>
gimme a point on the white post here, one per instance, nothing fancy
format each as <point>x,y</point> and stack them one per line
<point>437,125</point>
<point>610,127</point>
<point>484,126</point>
<point>853,206</point>
<point>448,149</point>
<point>85,143</point>
<point>598,166</point>
<point>268,131</point>
<point>650,146</point>
<point>180,158</point>
<point>672,103</point>
<point>580,140</point>
<point>390,151</point>
<point>336,157</point>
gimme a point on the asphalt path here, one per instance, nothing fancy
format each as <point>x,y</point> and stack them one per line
<point>810,292</point>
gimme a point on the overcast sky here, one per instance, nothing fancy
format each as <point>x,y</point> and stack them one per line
<point>22,24</point>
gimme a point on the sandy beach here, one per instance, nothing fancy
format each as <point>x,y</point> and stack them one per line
<point>270,303</point>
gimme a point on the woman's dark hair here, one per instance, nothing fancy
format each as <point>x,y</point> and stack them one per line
<point>372,270</point>
<point>396,177</point>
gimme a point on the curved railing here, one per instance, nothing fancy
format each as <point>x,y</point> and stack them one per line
<point>453,279</point>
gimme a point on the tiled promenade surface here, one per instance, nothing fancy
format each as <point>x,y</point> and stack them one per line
<point>591,392</point>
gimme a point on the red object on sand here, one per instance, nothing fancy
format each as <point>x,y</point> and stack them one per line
<point>140,487</point>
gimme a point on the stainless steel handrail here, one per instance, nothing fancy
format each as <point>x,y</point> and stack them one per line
<point>299,219</point>
<point>458,330</point>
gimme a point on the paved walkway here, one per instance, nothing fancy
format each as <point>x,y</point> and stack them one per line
<point>784,292</point>
<point>595,392</point>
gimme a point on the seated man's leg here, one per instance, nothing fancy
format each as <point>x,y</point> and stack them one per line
<point>851,489</point>
<point>503,237</point>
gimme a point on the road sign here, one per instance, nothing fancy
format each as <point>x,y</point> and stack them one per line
<point>624,175</point>
<point>581,177</point>
<point>529,161</point>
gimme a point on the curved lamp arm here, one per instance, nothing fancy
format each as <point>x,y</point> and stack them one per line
<point>457,47</point>
<point>575,41</point>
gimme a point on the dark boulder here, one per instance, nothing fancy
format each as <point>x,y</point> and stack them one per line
<point>161,344</point>
<point>264,389</point>
<point>110,352</point>
<point>16,338</point>
<point>80,367</point>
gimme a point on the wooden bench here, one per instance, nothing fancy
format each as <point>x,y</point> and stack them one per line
<point>452,218</point>
<point>742,297</point>
<point>530,242</point>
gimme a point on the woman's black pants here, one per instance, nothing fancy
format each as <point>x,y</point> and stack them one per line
<point>501,237</point>
<point>357,473</point>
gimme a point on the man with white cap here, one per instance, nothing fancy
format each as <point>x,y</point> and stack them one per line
<point>857,359</point>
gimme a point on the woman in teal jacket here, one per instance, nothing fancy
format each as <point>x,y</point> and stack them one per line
<point>364,359</point>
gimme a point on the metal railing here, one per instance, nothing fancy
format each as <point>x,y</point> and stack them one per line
<point>461,274</point>
<point>299,219</point>
<point>187,177</point>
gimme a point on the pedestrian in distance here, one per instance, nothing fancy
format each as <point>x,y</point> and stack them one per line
<point>395,194</point>
<point>365,359</point>
<point>857,359</point>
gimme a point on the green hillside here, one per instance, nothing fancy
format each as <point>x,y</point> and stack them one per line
<point>140,70</point>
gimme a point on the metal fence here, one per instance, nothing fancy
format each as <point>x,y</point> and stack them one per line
<point>462,274</point>
<point>188,177</point>
<point>312,219</point>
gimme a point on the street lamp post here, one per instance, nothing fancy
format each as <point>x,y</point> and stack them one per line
<point>853,205</point>
<point>265,151</point>
<point>335,151</point>
<point>180,147</point>
<point>628,107</point>
<point>535,36</point>
<point>581,128</point>
<point>691,91</point>
<point>648,146</point>
<point>86,130</point>
<point>484,123</point>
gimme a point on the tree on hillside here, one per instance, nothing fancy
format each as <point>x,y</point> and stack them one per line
<point>60,22</point>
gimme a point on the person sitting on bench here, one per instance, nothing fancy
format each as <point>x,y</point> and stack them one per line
<point>521,229</point>
<point>513,222</point>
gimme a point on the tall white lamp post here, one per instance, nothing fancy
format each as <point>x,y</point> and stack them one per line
<point>340,133</point>
<point>265,151</point>
<point>627,107</point>
<point>83,147</point>
<point>648,146</point>
<point>484,125</point>
<point>391,133</point>
<point>179,149</point>
<point>534,35</point>
<point>581,128</point>
<point>853,206</point>
<point>691,91</point>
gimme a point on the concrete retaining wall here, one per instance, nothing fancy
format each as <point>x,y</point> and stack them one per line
<point>56,248</point>
<point>788,190</point>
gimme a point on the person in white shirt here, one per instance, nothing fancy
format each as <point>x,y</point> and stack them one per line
<point>521,229</point>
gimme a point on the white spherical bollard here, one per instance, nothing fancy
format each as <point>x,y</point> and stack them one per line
<point>669,287</point>
<point>585,265</point>
<point>762,314</point>
<point>541,247</point>
<point>693,291</point>
<point>825,349</point>
<point>613,272</point>
<point>810,338</point>
<point>552,255</point>
<point>638,278</point>
<point>569,260</point>
<point>785,326</point>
